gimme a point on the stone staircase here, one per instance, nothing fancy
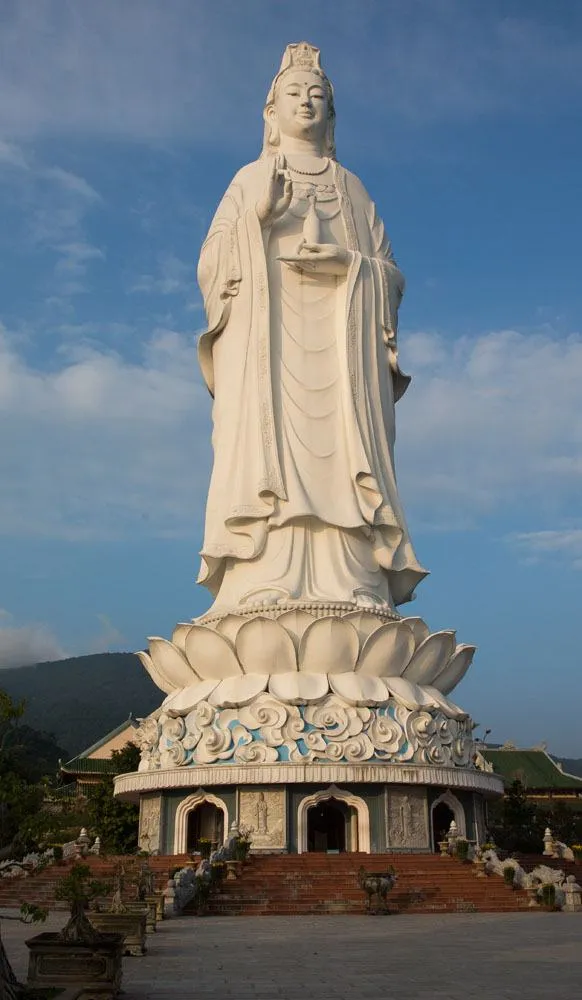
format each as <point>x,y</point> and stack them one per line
<point>315,883</point>
<point>327,884</point>
<point>39,887</point>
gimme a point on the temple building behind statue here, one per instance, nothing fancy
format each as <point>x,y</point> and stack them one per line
<point>304,704</point>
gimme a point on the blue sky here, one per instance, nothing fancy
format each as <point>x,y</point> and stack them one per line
<point>120,127</point>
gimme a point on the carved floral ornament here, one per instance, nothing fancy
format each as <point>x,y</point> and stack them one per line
<point>300,660</point>
<point>269,731</point>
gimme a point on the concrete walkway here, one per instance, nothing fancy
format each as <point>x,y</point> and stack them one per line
<point>530,956</point>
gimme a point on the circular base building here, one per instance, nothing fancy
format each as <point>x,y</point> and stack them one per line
<point>316,728</point>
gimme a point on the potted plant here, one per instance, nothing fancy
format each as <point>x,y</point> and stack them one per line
<point>79,955</point>
<point>548,896</point>
<point>509,875</point>
<point>462,849</point>
<point>242,845</point>
<point>205,847</point>
<point>577,851</point>
<point>127,920</point>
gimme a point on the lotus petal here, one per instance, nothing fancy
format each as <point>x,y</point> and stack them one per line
<point>420,629</point>
<point>447,707</point>
<point>212,654</point>
<point>455,669</point>
<point>411,695</point>
<point>179,635</point>
<point>171,662</point>
<point>329,646</point>
<point>182,702</point>
<point>358,689</point>
<point>159,678</point>
<point>295,622</point>
<point>364,622</point>
<point>235,691</point>
<point>297,688</point>
<point>264,647</point>
<point>229,626</point>
<point>430,658</point>
<point>387,651</point>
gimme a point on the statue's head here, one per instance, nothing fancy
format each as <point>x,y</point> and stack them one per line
<point>300,101</point>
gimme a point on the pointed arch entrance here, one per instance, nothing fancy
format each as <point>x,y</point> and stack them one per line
<point>200,815</point>
<point>443,811</point>
<point>333,820</point>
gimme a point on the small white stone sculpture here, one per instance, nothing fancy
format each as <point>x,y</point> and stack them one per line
<point>96,849</point>
<point>494,866</point>
<point>572,895</point>
<point>453,834</point>
<point>562,851</point>
<point>548,843</point>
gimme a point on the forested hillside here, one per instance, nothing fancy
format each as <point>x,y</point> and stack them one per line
<point>81,699</point>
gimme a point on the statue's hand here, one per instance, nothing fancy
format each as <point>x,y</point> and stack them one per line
<point>319,258</point>
<point>278,192</point>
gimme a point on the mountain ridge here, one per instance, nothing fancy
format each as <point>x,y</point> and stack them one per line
<point>82,698</point>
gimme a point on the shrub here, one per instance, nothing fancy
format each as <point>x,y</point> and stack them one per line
<point>549,894</point>
<point>462,849</point>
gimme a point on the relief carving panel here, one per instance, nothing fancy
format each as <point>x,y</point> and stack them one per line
<point>262,810</point>
<point>150,813</point>
<point>407,826</point>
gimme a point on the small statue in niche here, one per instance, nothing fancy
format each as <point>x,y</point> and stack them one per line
<point>262,814</point>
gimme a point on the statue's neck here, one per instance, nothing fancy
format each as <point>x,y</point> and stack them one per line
<point>301,147</point>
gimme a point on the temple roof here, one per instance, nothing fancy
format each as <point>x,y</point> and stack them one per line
<point>96,759</point>
<point>534,768</point>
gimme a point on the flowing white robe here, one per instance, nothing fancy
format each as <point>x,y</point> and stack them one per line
<point>303,502</point>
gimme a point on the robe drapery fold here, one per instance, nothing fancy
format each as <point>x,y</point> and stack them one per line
<point>247,487</point>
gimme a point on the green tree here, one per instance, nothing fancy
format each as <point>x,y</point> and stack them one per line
<point>19,798</point>
<point>515,823</point>
<point>115,822</point>
<point>564,822</point>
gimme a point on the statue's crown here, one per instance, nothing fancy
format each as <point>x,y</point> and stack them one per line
<point>300,56</point>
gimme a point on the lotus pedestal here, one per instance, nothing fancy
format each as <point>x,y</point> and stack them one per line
<point>274,712</point>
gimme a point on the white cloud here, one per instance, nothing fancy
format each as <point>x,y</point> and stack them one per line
<point>22,645</point>
<point>490,423</point>
<point>73,260</point>
<point>564,546</point>
<point>12,156</point>
<point>173,277</point>
<point>71,183</point>
<point>101,446</point>
<point>52,206</point>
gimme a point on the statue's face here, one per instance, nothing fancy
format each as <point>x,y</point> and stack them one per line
<point>301,105</point>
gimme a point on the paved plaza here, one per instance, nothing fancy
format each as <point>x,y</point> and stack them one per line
<point>449,957</point>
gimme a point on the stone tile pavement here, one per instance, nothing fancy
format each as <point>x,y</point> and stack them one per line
<point>530,956</point>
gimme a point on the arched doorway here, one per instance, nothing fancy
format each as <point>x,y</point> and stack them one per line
<point>205,822</point>
<point>442,817</point>
<point>329,827</point>
<point>345,826</point>
<point>189,828</point>
<point>444,810</point>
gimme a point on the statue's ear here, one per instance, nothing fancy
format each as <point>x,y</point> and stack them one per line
<point>272,130</point>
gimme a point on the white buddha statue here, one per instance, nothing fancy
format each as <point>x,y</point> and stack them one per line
<point>301,292</point>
